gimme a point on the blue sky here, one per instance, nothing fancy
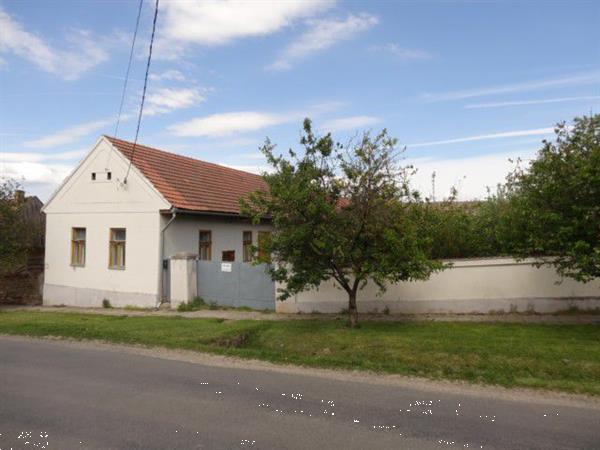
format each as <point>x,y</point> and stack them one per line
<point>464,85</point>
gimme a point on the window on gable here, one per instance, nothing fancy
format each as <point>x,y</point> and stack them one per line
<point>78,247</point>
<point>108,175</point>
<point>117,248</point>
<point>93,176</point>
<point>205,245</point>
<point>247,246</point>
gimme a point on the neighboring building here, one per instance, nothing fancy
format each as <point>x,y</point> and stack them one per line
<point>23,283</point>
<point>116,220</point>
<point>32,214</point>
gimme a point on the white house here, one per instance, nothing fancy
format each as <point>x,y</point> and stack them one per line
<point>136,227</point>
<point>113,224</point>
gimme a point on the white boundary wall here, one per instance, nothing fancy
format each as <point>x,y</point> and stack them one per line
<point>470,286</point>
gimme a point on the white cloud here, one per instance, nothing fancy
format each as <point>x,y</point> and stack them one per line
<point>228,123</point>
<point>83,54</point>
<point>349,123</point>
<point>321,35</point>
<point>238,142</point>
<point>165,100</point>
<point>470,175</point>
<point>38,178</point>
<point>401,52</point>
<point>68,135</point>
<point>570,80</point>
<point>214,22</point>
<point>482,137</point>
<point>224,124</point>
<point>252,168</point>
<point>531,102</point>
<point>167,75</point>
<point>27,157</point>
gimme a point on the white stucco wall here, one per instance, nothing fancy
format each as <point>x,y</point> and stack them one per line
<point>471,286</point>
<point>227,234</point>
<point>98,206</point>
<point>183,283</point>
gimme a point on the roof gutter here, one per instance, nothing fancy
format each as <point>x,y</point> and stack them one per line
<point>161,270</point>
<point>191,212</point>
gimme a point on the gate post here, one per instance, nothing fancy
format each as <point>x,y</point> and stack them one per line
<point>183,283</point>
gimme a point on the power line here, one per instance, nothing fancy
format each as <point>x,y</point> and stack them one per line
<point>139,122</point>
<point>137,24</point>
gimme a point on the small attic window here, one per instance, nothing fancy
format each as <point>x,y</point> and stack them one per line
<point>93,176</point>
<point>108,175</point>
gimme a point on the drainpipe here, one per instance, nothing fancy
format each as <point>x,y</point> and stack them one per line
<point>162,256</point>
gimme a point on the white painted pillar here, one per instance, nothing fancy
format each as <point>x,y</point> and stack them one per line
<point>183,278</point>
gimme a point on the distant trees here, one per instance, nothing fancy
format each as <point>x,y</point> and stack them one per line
<point>548,209</point>
<point>15,232</point>
<point>554,202</point>
<point>345,213</point>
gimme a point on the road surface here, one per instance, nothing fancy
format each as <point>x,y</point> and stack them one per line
<point>59,396</point>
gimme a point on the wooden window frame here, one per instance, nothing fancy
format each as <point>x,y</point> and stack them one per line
<point>77,243</point>
<point>247,253</point>
<point>262,256</point>
<point>115,243</point>
<point>207,244</point>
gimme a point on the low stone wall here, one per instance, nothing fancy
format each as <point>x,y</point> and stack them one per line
<point>24,288</point>
<point>478,286</point>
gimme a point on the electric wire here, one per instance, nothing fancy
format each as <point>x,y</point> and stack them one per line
<point>137,24</point>
<point>137,131</point>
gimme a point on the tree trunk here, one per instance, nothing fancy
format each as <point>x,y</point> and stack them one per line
<point>352,311</point>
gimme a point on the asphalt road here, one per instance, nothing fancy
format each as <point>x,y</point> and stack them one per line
<point>57,396</point>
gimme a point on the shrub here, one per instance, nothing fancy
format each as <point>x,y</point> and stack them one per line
<point>106,304</point>
<point>194,305</point>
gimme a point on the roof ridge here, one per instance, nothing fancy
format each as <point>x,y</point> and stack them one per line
<point>111,138</point>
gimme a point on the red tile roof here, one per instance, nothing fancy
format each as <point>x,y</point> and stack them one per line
<point>189,183</point>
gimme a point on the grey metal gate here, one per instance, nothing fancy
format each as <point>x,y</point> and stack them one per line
<point>236,284</point>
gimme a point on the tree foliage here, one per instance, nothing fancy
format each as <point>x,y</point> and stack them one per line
<point>15,236</point>
<point>345,213</point>
<point>471,229</point>
<point>554,203</point>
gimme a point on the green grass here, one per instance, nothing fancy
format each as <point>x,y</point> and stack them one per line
<point>198,304</point>
<point>557,357</point>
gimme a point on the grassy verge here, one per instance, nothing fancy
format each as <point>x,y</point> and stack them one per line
<point>198,304</point>
<point>558,357</point>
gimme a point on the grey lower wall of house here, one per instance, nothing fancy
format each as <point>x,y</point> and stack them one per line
<point>227,234</point>
<point>478,286</point>
<point>92,298</point>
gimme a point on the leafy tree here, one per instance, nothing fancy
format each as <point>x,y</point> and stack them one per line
<point>469,229</point>
<point>344,213</point>
<point>555,202</point>
<point>15,237</point>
